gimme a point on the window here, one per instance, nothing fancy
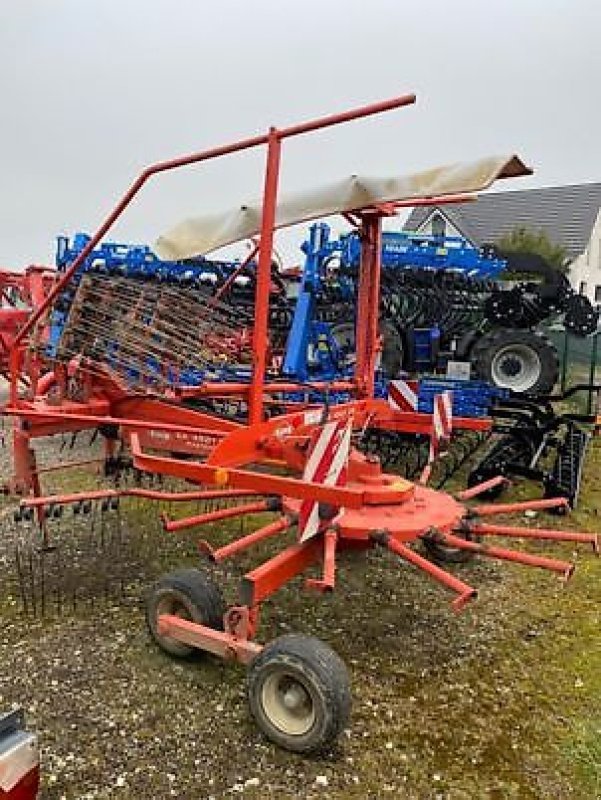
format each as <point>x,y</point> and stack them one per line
<point>597,294</point>
<point>439,226</point>
<point>583,287</point>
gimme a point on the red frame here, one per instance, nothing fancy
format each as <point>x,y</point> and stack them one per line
<point>31,286</point>
<point>369,494</point>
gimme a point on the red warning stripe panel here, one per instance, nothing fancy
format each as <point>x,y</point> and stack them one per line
<point>402,395</point>
<point>327,464</point>
<point>442,423</point>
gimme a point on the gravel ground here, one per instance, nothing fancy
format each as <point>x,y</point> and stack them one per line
<point>499,702</point>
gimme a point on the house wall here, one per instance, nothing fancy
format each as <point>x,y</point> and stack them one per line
<point>585,271</point>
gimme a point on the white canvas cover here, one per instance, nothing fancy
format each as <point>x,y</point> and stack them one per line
<point>203,234</point>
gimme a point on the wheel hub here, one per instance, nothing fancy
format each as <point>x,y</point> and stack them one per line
<point>294,697</point>
<point>517,367</point>
<point>511,366</point>
<point>287,703</point>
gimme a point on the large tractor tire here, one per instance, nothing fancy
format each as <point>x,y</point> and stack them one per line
<point>391,356</point>
<point>521,360</point>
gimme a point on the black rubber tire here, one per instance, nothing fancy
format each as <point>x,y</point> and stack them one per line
<point>189,593</point>
<point>448,555</point>
<point>489,345</point>
<point>324,677</point>
<point>393,351</point>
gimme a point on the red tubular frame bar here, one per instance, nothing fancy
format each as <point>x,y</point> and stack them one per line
<point>535,533</point>
<point>273,140</point>
<point>220,643</point>
<point>464,591</point>
<point>214,516</point>
<point>236,272</point>
<point>368,298</point>
<point>564,568</point>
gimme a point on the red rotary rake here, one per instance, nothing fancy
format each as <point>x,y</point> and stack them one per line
<point>20,293</point>
<point>302,466</point>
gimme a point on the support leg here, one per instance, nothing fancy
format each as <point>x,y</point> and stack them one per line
<point>327,582</point>
<point>266,579</point>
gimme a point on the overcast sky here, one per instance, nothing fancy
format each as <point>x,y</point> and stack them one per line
<point>93,90</point>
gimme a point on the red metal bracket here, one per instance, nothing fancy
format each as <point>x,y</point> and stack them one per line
<point>221,643</point>
<point>327,582</point>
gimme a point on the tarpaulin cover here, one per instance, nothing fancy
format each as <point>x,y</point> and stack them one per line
<point>203,234</point>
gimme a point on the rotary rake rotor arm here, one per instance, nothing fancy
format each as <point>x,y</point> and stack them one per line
<point>420,514</point>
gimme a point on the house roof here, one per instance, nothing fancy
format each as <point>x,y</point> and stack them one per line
<point>565,213</point>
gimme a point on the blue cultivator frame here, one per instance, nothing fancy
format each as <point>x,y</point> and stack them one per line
<point>400,251</point>
<point>312,351</point>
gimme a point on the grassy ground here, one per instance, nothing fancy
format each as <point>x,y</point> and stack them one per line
<point>503,701</point>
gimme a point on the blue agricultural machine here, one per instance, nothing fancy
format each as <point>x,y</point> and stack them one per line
<point>448,308</point>
<point>444,310</point>
<point>443,303</point>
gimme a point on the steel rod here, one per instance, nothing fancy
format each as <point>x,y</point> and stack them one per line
<point>214,516</point>
<point>233,548</point>
<point>480,488</point>
<point>149,494</point>
<point>463,590</point>
<point>526,505</point>
<point>565,568</point>
<point>536,533</point>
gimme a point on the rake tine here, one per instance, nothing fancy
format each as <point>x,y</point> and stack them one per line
<point>32,580</point>
<point>42,562</point>
<point>119,530</point>
<point>21,578</point>
<point>59,584</point>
